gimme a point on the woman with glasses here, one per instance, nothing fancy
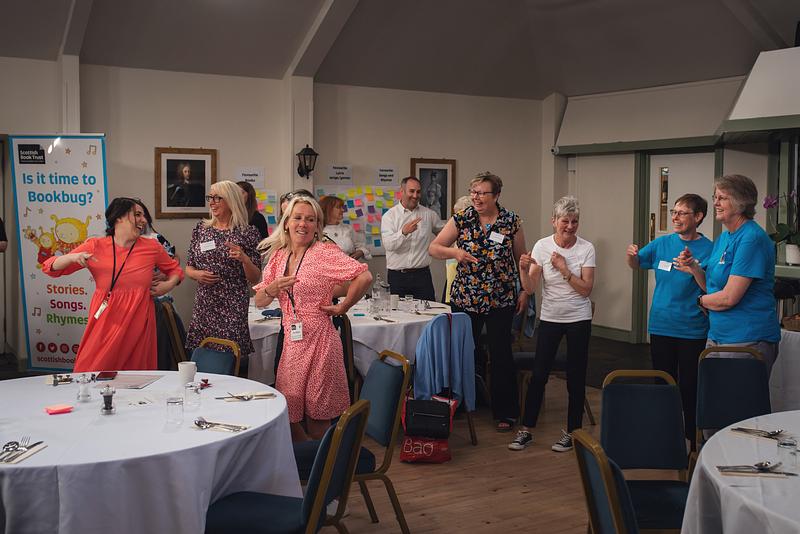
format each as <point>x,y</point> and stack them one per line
<point>490,242</point>
<point>677,327</point>
<point>739,275</point>
<point>121,329</point>
<point>224,262</point>
<point>563,264</point>
<point>302,273</point>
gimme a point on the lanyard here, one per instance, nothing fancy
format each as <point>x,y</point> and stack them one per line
<point>290,291</point>
<point>114,274</point>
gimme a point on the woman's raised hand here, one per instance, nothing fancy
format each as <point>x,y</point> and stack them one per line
<point>235,252</point>
<point>685,262</point>
<point>558,262</point>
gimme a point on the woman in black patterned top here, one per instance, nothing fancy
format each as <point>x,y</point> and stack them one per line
<point>223,260</point>
<point>489,242</point>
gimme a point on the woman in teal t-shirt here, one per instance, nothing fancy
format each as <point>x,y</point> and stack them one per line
<point>677,327</point>
<point>740,274</point>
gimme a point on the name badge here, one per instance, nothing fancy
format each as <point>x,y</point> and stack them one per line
<point>296,331</point>
<point>101,309</point>
<point>665,265</point>
<point>497,237</point>
<point>207,245</point>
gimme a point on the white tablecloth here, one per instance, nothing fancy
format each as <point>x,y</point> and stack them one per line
<point>131,472</point>
<point>743,505</point>
<point>784,383</point>
<point>370,337</point>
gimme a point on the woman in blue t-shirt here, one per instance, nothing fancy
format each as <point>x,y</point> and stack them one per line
<point>677,327</point>
<point>740,274</point>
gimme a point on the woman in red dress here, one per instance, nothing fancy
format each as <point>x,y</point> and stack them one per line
<point>121,331</point>
<point>302,273</point>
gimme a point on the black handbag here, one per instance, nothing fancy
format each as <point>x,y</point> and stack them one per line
<point>429,418</point>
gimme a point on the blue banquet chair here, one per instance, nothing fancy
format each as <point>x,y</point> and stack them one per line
<point>220,362</point>
<point>330,478</point>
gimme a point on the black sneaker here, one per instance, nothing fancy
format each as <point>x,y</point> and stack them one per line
<point>523,439</point>
<point>564,444</point>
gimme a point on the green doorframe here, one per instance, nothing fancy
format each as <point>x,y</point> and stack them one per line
<point>641,215</point>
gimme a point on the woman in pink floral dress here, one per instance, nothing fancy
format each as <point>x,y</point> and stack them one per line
<point>301,273</point>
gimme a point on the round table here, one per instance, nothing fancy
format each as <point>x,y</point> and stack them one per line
<point>131,472</point>
<point>741,504</point>
<point>370,336</point>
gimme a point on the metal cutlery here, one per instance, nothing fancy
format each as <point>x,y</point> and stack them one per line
<point>766,467</point>
<point>383,319</point>
<point>769,434</point>
<point>203,424</point>
<point>248,396</point>
<point>13,446</point>
<point>19,452</point>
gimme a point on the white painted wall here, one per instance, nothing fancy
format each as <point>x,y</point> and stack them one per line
<point>669,112</point>
<point>368,127</point>
<point>139,110</point>
<point>604,187</point>
<point>751,161</point>
<point>30,102</point>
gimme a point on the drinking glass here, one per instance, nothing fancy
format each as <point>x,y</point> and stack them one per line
<point>191,396</point>
<point>175,410</point>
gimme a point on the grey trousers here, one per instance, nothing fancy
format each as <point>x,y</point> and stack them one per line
<point>768,351</point>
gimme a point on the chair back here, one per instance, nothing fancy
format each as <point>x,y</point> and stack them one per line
<point>221,362</point>
<point>342,325</point>
<point>445,357</point>
<point>175,337</point>
<point>334,464</point>
<point>608,499</point>
<point>642,423</point>
<point>385,388</point>
<point>730,389</point>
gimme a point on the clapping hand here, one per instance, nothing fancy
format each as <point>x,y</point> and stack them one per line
<point>685,262</point>
<point>633,250</point>
<point>558,262</point>
<point>235,252</point>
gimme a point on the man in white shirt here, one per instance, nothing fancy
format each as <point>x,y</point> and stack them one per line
<point>407,230</point>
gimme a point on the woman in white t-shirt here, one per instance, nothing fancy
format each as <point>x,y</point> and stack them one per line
<point>563,264</point>
<point>353,244</point>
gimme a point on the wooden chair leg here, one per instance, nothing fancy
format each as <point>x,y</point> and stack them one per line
<point>472,435</point>
<point>398,511</point>
<point>588,410</point>
<point>368,500</point>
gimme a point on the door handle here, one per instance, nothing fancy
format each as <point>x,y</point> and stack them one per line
<point>652,226</point>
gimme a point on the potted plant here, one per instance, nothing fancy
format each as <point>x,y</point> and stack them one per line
<point>786,232</point>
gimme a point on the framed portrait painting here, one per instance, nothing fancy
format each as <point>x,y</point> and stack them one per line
<point>183,179</point>
<point>438,180</point>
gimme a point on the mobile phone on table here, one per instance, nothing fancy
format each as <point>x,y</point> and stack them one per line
<point>106,375</point>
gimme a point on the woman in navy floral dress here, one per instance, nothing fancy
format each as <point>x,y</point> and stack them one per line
<point>489,242</point>
<point>223,260</point>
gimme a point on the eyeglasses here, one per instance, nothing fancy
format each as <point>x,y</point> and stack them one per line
<point>479,194</point>
<point>673,213</point>
<point>213,199</point>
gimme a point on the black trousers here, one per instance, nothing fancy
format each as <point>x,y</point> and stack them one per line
<point>419,283</point>
<point>505,399</point>
<point>678,357</point>
<point>550,334</point>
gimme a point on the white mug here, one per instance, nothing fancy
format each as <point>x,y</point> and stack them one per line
<point>186,372</point>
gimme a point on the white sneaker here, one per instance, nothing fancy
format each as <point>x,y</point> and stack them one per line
<point>564,444</point>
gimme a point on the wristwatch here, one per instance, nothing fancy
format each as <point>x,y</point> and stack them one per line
<point>567,276</point>
<point>700,301</point>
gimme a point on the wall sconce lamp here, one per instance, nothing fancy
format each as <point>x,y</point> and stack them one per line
<point>306,160</point>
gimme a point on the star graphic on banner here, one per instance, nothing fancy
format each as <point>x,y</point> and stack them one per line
<point>41,211</point>
<point>84,165</point>
<point>91,279</point>
<point>38,330</point>
<point>98,217</point>
<point>33,276</point>
<point>67,151</point>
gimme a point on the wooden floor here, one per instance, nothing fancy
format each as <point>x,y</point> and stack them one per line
<point>488,488</point>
